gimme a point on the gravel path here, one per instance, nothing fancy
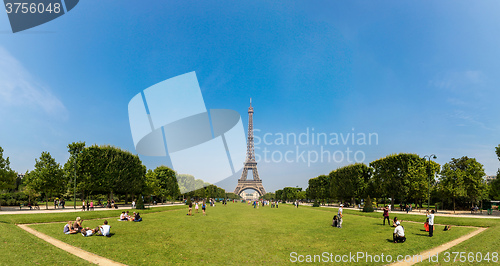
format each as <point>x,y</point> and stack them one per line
<point>90,257</point>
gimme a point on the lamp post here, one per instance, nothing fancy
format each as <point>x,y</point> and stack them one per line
<point>74,189</point>
<point>432,156</point>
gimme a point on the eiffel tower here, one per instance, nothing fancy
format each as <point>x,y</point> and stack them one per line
<point>250,163</point>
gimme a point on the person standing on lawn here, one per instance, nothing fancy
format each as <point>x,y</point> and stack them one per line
<point>190,210</point>
<point>431,222</point>
<point>386,215</point>
<point>340,216</point>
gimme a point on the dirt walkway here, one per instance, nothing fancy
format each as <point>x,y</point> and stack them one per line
<point>90,257</point>
<point>426,254</point>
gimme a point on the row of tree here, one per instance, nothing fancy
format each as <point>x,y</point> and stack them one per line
<point>105,171</point>
<point>406,178</point>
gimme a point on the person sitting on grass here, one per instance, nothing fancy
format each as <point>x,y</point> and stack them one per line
<point>394,222</point>
<point>137,217</point>
<point>77,225</point>
<point>105,228</point>
<point>335,221</point>
<point>399,233</point>
<point>68,229</point>
<point>123,216</point>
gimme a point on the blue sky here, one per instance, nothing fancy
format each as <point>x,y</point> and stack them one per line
<point>422,75</point>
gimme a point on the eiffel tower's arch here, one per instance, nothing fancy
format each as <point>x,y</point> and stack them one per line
<point>250,184</point>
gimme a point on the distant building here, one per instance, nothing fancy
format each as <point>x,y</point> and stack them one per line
<point>250,196</point>
<point>490,178</point>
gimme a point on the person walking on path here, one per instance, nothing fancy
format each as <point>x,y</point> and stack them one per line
<point>431,222</point>
<point>340,216</point>
<point>386,215</point>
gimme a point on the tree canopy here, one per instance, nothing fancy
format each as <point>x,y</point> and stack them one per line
<point>7,176</point>
<point>47,176</point>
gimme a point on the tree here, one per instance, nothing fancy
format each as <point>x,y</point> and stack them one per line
<point>318,188</point>
<point>70,174</point>
<point>495,184</point>
<point>164,182</point>
<point>268,196</point>
<point>368,205</point>
<point>290,193</point>
<point>7,176</point>
<point>47,177</point>
<point>231,195</point>
<point>463,177</point>
<point>350,182</point>
<point>107,169</point>
<point>279,194</point>
<point>394,175</point>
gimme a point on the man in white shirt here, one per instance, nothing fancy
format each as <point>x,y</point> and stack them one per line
<point>105,229</point>
<point>340,216</point>
<point>431,222</point>
<point>399,233</point>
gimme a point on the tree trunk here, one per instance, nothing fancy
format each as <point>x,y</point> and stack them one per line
<point>46,202</point>
<point>126,198</point>
<point>453,204</point>
<point>392,202</point>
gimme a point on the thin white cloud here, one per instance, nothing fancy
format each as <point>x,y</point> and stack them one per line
<point>460,81</point>
<point>470,119</point>
<point>19,88</point>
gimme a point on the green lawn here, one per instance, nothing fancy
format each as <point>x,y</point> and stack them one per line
<point>22,248</point>
<point>240,234</point>
<point>235,234</point>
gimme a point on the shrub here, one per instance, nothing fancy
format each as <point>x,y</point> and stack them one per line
<point>316,203</point>
<point>368,205</point>
<point>140,203</point>
<point>12,202</point>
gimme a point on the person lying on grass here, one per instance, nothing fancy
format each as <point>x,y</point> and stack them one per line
<point>89,232</point>
<point>68,228</point>
<point>105,228</point>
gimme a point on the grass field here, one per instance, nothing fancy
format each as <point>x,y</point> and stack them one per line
<point>240,234</point>
<point>233,234</point>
